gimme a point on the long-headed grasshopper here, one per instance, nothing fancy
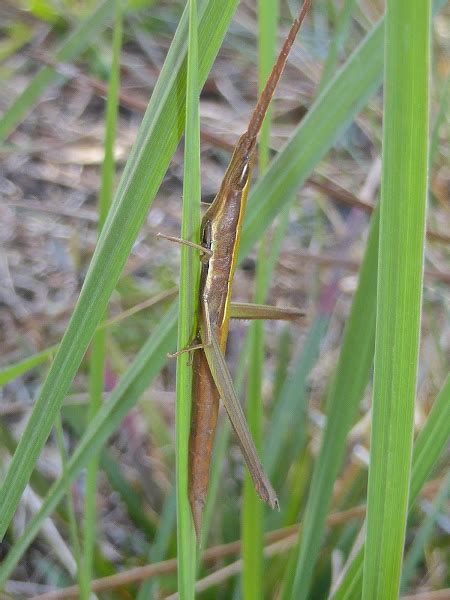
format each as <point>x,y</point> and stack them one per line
<point>220,235</point>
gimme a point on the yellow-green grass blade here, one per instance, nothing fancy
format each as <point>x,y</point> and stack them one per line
<point>187,315</point>
<point>399,298</point>
<point>70,506</point>
<point>252,518</point>
<point>98,345</point>
<point>131,386</point>
<point>430,444</point>
<point>158,136</point>
<point>75,43</point>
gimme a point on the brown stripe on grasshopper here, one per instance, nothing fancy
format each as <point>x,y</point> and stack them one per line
<point>220,236</point>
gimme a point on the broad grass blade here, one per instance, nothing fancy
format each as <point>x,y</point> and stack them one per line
<point>399,298</point>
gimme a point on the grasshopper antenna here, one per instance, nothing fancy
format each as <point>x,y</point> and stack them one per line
<point>259,113</point>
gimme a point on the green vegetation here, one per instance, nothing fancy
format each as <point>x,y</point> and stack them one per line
<point>323,397</point>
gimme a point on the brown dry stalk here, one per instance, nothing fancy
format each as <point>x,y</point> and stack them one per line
<point>279,540</point>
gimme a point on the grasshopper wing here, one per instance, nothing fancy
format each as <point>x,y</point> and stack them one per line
<point>224,383</point>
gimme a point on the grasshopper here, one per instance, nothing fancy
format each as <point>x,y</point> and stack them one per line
<point>220,237</point>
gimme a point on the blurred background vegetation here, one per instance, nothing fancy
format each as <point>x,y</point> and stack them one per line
<point>51,156</point>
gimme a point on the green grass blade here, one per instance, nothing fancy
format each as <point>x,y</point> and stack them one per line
<point>98,346</point>
<point>27,364</point>
<point>429,445</point>
<point>35,360</point>
<point>337,43</point>
<point>77,421</point>
<point>159,547</point>
<point>187,315</point>
<point>71,515</point>
<point>424,533</point>
<point>158,136</point>
<point>77,41</point>
<point>346,392</point>
<point>135,381</point>
<point>252,508</point>
<point>400,277</point>
<point>431,440</point>
<point>289,417</point>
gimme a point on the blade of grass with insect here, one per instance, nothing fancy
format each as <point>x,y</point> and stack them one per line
<point>98,345</point>
<point>252,508</point>
<point>352,96</point>
<point>134,382</point>
<point>158,135</point>
<point>430,443</point>
<point>352,86</point>
<point>424,533</point>
<point>224,435</point>
<point>87,441</point>
<point>75,43</point>
<point>365,60</point>
<point>189,283</point>
<point>399,298</point>
<point>141,178</point>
